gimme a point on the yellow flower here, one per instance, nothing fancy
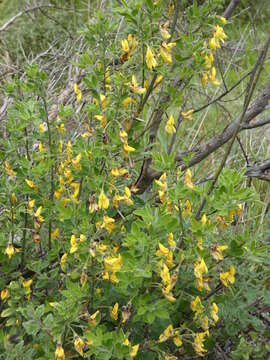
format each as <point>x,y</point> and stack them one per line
<point>212,77</point>
<point>125,46</point>
<point>78,92</point>
<point>219,34</point>
<point>41,147</point>
<point>79,344</point>
<point>202,283</point>
<point>37,214</point>
<point>163,30</point>
<point>92,318</point>
<point>108,224</point>
<point>214,43</point>
<point>177,340</point>
<point>27,283</point>
<point>209,59</point>
<point>170,128</point>
<point>222,19</point>
<point>171,242</point>
<point>30,183</point>
<point>127,101</point>
<point>150,59</point>
<point>165,275</point>
<point>187,180</point>
<point>126,342</point>
<point>127,149</point>
<point>158,81</point>
<point>204,219</point>
<point>103,201</point>
<point>74,244</point>
<point>205,323</point>
<point>132,42</point>
<point>165,52</point>
<point>55,234</point>
<point>63,261</point>
<point>113,264</point>
<point>76,162</point>
<point>163,251</point>
<point>228,277</point>
<point>161,182</point>
<point>214,312</point>
<point>102,119</point>
<point>200,268</point>
<point>187,211</point>
<point>198,343</point>
<point>9,170</point>
<point>114,312</point>
<point>135,87</point>
<point>134,350</point>
<point>204,79</point>
<point>59,353</point>
<point>104,101</point>
<point>196,306</point>
<point>167,333</point>
<point>119,172</point>
<point>10,250</point>
<point>4,294</point>
<point>187,114</point>
<point>216,252</point>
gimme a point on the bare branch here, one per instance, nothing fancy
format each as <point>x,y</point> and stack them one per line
<point>23,12</point>
<point>230,9</point>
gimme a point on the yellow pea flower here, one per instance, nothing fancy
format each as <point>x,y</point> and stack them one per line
<point>197,306</point>
<point>102,119</point>
<point>167,333</point>
<point>79,344</point>
<point>134,350</point>
<point>63,261</point>
<point>78,92</point>
<point>114,312</point>
<point>92,319</point>
<point>127,101</point>
<point>135,87</point>
<point>74,244</point>
<point>214,312</point>
<point>59,353</point>
<point>170,128</point>
<point>188,114</point>
<point>9,170</point>
<point>9,251</point>
<point>150,59</point>
<point>103,201</point>
<point>198,343</point>
<point>204,79</point>
<point>127,149</point>
<point>163,30</point>
<point>30,183</point>
<point>212,77</point>
<point>4,294</point>
<point>228,277</point>
<point>204,219</point>
<point>187,180</point>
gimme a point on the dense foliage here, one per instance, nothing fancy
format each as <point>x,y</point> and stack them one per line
<point>92,266</point>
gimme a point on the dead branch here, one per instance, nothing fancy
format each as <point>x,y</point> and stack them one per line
<point>23,12</point>
<point>230,8</point>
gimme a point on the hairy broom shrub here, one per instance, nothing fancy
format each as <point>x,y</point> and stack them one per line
<point>90,267</point>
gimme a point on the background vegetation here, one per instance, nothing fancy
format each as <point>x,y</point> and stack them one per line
<point>114,242</point>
